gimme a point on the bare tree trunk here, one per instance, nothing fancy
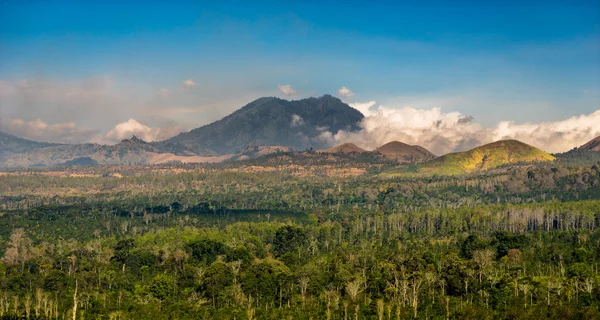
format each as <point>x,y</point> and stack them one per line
<point>75,302</point>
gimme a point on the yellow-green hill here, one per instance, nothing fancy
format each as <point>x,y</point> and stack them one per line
<point>482,158</point>
<point>485,157</point>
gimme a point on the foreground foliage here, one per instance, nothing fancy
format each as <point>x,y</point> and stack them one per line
<point>523,243</point>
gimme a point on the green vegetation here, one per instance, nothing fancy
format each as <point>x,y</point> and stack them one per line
<point>216,242</point>
<point>482,158</point>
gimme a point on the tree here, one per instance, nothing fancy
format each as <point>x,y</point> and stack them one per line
<point>288,239</point>
<point>216,278</point>
<point>162,286</point>
<point>484,260</point>
<point>18,251</point>
<point>206,250</point>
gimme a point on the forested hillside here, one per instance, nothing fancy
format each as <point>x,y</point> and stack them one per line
<point>246,241</point>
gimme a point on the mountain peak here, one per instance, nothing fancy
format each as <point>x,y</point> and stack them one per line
<point>273,121</point>
<point>133,140</point>
<point>345,148</point>
<point>404,152</point>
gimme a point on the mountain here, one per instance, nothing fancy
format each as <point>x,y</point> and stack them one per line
<point>345,148</point>
<point>592,145</point>
<point>11,144</point>
<point>271,121</point>
<point>485,157</point>
<point>404,152</point>
<point>129,151</point>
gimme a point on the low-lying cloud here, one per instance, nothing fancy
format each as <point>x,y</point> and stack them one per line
<point>297,120</point>
<point>131,127</point>
<point>69,132</point>
<point>38,130</point>
<point>442,132</point>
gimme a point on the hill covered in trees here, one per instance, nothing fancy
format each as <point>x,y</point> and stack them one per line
<point>263,241</point>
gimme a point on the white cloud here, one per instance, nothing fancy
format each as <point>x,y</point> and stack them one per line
<point>286,89</point>
<point>345,92</point>
<point>38,130</point>
<point>187,85</point>
<point>447,132</point>
<point>364,107</point>
<point>132,127</point>
<point>297,120</point>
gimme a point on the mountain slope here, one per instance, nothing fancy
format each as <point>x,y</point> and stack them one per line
<point>485,157</point>
<point>404,152</point>
<point>592,145</point>
<point>345,148</point>
<point>272,121</point>
<point>11,144</point>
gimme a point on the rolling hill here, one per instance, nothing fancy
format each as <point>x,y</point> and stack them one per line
<point>485,157</point>
<point>403,152</point>
<point>345,148</point>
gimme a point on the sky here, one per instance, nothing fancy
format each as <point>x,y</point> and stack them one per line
<point>75,71</point>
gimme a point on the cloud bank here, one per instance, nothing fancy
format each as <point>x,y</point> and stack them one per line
<point>69,132</point>
<point>38,130</point>
<point>442,132</point>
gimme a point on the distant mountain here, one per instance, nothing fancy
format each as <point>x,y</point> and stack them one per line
<point>11,144</point>
<point>261,127</point>
<point>271,121</point>
<point>129,151</point>
<point>592,145</point>
<point>485,157</point>
<point>345,148</point>
<point>404,152</point>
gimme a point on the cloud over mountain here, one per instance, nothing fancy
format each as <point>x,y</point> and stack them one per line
<point>448,132</point>
<point>132,127</point>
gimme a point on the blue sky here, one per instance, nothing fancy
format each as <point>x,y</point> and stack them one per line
<point>97,64</point>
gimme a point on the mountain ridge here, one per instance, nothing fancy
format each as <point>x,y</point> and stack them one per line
<point>592,145</point>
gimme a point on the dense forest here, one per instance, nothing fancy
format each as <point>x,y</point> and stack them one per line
<point>283,242</point>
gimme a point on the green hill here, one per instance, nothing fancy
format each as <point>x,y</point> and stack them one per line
<point>482,158</point>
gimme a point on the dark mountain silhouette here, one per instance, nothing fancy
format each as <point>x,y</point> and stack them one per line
<point>271,121</point>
